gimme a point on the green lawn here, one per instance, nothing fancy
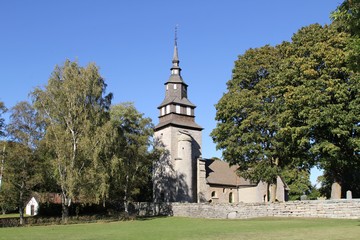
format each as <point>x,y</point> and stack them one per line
<point>12,215</point>
<point>175,228</point>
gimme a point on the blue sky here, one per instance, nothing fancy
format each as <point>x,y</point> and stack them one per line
<point>132,43</point>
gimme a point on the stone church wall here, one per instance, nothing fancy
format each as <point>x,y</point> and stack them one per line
<point>349,209</point>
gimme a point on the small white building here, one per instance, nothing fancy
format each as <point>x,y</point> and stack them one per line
<point>32,207</point>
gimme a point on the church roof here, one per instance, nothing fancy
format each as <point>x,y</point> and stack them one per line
<point>176,100</point>
<point>176,78</point>
<point>221,173</point>
<point>179,123</point>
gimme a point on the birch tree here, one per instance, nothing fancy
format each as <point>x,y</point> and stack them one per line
<point>75,107</point>
<point>132,160</point>
<point>22,163</point>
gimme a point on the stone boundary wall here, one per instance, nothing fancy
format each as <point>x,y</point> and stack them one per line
<point>349,209</point>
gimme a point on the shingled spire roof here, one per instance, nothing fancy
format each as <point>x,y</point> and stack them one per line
<point>175,76</point>
<point>176,109</point>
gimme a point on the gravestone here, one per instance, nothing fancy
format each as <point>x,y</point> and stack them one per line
<point>303,197</point>
<point>348,194</point>
<point>335,191</point>
<point>231,215</point>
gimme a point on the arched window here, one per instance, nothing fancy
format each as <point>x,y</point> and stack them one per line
<point>213,194</point>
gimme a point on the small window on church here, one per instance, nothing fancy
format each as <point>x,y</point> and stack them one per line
<point>213,194</point>
<point>188,111</point>
<point>231,197</point>
<point>167,109</point>
<point>167,87</point>
<point>162,111</point>
<point>175,86</point>
<point>177,108</point>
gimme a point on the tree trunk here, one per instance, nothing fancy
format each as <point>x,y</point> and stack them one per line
<point>274,183</point>
<point>21,212</point>
<point>126,204</point>
<point>267,196</point>
<point>21,208</point>
<point>64,213</point>
<point>273,192</point>
<point>65,204</point>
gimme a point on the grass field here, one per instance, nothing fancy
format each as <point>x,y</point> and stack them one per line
<point>174,228</point>
<point>12,215</point>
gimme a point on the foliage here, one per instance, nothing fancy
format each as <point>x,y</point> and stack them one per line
<point>75,109</point>
<point>251,118</point>
<point>298,180</point>
<point>2,121</point>
<point>347,16</point>
<point>8,197</point>
<point>131,162</point>
<point>297,103</point>
<point>21,162</point>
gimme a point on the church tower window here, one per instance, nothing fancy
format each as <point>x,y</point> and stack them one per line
<point>178,109</point>
<point>188,111</point>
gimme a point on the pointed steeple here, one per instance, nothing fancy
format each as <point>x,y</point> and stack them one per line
<point>175,69</point>
<point>176,109</point>
<point>176,55</point>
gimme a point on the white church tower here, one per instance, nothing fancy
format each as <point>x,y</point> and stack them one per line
<point>175,177</point>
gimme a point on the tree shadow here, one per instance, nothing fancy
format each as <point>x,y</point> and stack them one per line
<point>168,184</point>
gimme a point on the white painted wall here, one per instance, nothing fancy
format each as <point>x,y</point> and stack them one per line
<point>34,203</point>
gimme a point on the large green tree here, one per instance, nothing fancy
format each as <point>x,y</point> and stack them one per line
<point>75,108</point>
<point>324,96</point>
<point>8,196</point>
<point>249,114</point>
<point>294,106</point>
<point>132,159</point>
<point>22,161</point>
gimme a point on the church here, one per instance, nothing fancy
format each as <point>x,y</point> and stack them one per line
<point>181,174</point>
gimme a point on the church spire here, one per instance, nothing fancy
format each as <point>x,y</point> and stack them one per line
<point>176,56</point>
<point>176,108</point>
<point>175,70</point>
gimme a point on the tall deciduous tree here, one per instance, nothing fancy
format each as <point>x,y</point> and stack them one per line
<point>2,133</point>
<point>347,19</point>
<point>294,105</point>
<point>8,196</point>
<point>248,129</point>
<point>2,121</point>
<point>75,108</point>
<point>22,161</point>
<point>132,160</point>
<point>324,95</point>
